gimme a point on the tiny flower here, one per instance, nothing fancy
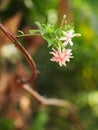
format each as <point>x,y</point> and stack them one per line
<point>61,56</point>
<point>68,37</point>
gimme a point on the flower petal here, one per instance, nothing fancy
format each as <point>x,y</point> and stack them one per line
<point>61,56</point>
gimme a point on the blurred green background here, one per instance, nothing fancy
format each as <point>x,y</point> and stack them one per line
<point>78,81</point>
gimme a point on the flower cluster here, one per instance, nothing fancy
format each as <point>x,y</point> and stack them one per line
<point>58,38</point>
<point>62,55</point>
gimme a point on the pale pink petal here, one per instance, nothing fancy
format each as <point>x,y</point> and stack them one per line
<point>68,37</point>
<point>65,43</point>
<point>71,43</point>
<point>61,56</point>
<point>63,38</point>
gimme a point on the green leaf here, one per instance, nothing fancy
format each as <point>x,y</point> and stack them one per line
<point>6,124</point>
<point>42,29</point>
<point>39,25</point>
<point>33,31</point>
<point>49,28</point>
<point>48,39</point>
<point>40,120</point>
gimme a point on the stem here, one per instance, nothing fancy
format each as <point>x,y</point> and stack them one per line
<point>25,35</point>
<point>59,44</point>
<point>22,49</point>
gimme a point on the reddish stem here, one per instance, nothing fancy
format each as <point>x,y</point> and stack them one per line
<point>21,48</point>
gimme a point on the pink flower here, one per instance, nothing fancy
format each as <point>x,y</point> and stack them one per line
<point>68,37</point>
<point>61,56</point>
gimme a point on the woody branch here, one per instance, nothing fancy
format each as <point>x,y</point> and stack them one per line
<point>42,100</point>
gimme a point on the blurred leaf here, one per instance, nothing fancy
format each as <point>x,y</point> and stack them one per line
<point>6,124</point>
<point>40,120</point>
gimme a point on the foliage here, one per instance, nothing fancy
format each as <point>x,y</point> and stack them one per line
<point>6,124</point>
<point>40,120</point>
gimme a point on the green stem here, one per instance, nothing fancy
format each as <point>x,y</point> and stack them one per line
<point>25,35</point>
<point>59,44</point>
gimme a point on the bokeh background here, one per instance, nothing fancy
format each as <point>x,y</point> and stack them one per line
<point>77,83</point>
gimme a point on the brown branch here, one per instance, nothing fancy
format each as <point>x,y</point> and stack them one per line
<point>42,100</point>
<point>56,102</point>
<point>21,48</point>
